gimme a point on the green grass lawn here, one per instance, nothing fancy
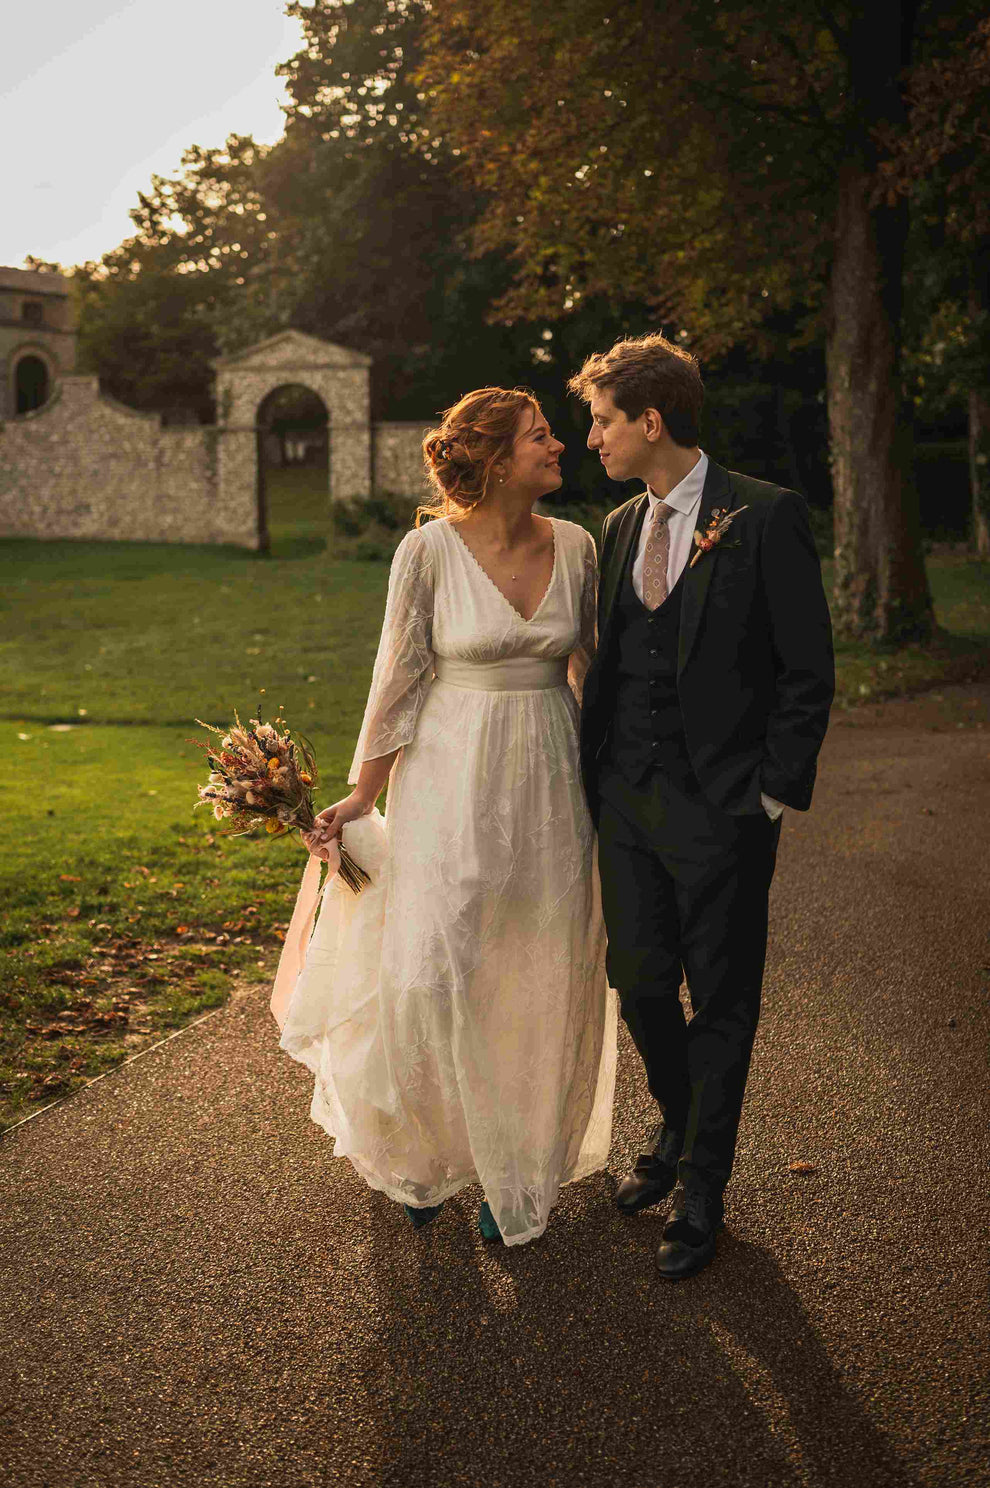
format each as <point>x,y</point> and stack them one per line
<point>125,913</point>
<point>961,651</point>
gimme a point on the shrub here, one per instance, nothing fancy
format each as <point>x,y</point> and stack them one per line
<point>371,527</point>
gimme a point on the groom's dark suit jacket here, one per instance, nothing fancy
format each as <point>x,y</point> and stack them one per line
<point>755,672</point>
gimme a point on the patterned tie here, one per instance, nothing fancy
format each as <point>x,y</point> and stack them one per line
<point>655,556</point>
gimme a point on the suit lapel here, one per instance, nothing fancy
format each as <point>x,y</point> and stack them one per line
<point>717,492</point>
<point>629,529</point>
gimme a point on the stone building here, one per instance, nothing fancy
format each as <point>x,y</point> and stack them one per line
<point>37,338</point>
<point>81,465</point>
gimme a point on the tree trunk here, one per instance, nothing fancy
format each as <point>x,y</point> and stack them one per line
<point>979,468</point>
<point>881,589</point>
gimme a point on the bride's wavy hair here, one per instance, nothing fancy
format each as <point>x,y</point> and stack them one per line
<point>472,437</point>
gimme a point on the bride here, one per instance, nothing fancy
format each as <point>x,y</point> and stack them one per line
<point>456,1015</point>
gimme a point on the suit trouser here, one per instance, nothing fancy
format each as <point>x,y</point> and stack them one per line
<point>684,893</point>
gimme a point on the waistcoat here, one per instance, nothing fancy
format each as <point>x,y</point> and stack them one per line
<point>647,728</point>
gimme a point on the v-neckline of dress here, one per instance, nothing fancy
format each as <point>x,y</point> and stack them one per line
<point>484,572</point>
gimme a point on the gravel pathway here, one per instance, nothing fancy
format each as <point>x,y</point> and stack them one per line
<point>195,1293</point>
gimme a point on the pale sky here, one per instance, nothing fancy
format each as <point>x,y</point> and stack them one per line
<point>96,95</point>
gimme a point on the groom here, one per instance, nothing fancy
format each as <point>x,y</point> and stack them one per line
<point>703,714</point>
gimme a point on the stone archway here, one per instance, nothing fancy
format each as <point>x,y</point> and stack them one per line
<point>293,451</point>
<point>32,384</point>
<point>336,375</point>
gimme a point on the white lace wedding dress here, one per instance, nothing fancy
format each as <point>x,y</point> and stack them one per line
<point>456,1014</point>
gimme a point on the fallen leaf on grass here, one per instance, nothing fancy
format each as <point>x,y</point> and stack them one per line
<point>112,1019</point>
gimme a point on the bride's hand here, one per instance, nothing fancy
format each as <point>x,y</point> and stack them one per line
<point>331,821</point>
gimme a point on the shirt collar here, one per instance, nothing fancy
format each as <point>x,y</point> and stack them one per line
<point>687,493</point>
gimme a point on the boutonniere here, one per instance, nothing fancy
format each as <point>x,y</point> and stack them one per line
<point>718,525</point>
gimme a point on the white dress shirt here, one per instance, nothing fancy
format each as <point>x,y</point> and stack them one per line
<point>685,498</point>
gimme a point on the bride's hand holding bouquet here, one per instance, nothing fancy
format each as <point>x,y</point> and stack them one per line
<point>330,822</point>
<point>261,776</point>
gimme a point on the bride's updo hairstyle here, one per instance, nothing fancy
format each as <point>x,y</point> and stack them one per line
<point>473,436</point>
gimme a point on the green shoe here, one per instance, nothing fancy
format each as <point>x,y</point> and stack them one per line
<point>423,1216</point>
<point>486,1224</point>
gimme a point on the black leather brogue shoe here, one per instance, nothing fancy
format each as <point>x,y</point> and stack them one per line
<point>688,1243</point>
<point>652,1178</point>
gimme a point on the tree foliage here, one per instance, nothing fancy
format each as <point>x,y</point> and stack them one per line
<point>689,157</point>
<point>946,135</point>
<point>196,275</point>
<point>720,162</point>
<point>940,162</point>
<point>352,227</point>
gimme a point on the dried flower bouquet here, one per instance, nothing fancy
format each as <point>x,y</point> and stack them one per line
<point>259,775</point>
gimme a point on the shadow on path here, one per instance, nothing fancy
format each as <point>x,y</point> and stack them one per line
<point>568,1361</point>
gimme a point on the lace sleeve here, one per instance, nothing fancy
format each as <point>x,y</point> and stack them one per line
<point>581,656</point>
<point>404,664</point>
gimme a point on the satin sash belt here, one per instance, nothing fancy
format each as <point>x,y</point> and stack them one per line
<point>514,674</point>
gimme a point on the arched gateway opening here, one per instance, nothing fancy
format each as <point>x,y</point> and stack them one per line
<point>31,384</point>
<point>293,447</point>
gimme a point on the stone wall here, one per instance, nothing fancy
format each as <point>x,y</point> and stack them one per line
<point>86,467</point>
<point>397,458</point>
